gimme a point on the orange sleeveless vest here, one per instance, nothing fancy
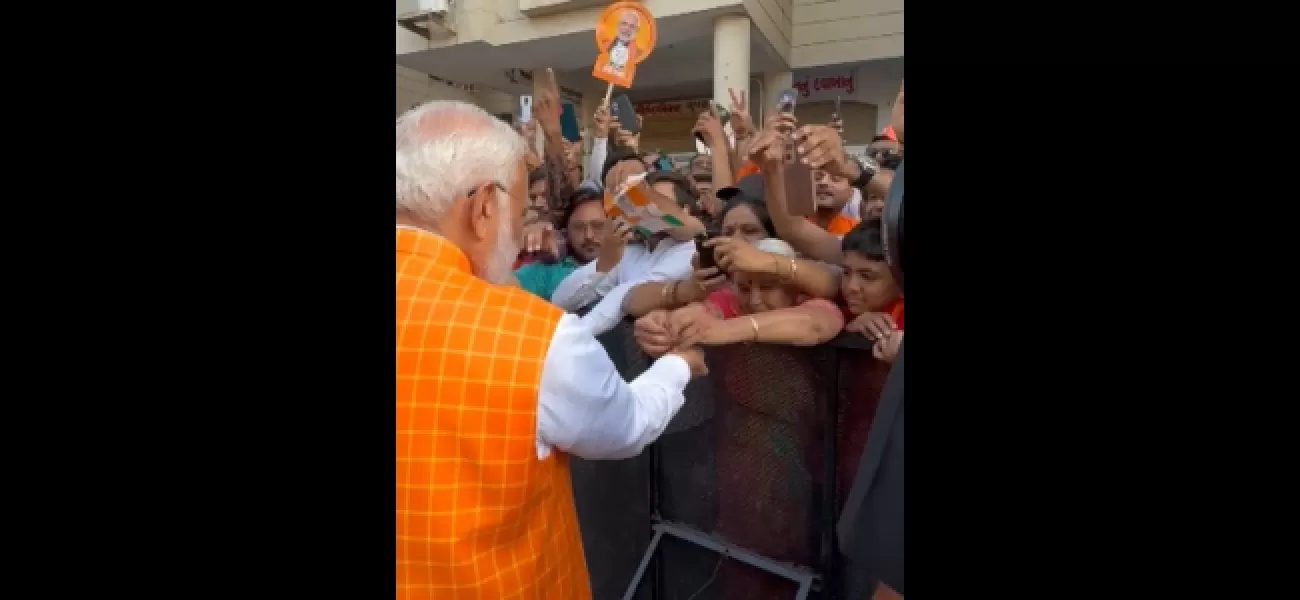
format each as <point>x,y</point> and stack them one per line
<point>478,515</point>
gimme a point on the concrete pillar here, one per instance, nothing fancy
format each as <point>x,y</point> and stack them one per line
<point>730,56</point>
<point>475,20</point>
<point>773,85</point>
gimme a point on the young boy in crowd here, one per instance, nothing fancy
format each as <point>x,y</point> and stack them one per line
<point>870,292</point>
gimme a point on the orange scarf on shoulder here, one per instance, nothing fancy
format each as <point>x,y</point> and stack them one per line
<point>841,225</point>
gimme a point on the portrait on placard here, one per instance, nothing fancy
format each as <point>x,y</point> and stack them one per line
<point>625,36</point>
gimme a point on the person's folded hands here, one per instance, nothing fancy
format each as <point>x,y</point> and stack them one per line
<point>694,324</point>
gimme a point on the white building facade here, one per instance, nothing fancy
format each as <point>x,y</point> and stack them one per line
<point>483,51</point>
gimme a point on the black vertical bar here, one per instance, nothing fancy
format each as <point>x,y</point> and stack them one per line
<point>656,484</point>
<point>830,391</point>
<point>657,562</point>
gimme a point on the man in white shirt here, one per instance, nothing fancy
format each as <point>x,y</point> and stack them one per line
<point>494,385</point>
<point>662,257</point>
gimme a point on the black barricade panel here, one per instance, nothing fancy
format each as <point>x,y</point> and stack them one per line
<point>748,474</point>
<point>613,496</point>
<point>744,460</point>
<point>613,503</point>
<point>861,379</point>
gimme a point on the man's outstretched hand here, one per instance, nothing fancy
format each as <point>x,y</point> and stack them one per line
<point>654,333</point>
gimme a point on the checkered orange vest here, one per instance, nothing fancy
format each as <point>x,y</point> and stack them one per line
<point>478,515</point>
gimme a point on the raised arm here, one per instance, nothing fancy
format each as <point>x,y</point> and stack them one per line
<point>811,323</point>
<point>743,127</point>
<point>813,278</point>
<point>710,128</point>
<point>599,145</point>
<point>823,148</point>
<point>806,237</point>
<point>560,187</point>
<point>667,295</point>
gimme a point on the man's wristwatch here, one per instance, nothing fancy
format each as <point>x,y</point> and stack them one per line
<point>868,169</point>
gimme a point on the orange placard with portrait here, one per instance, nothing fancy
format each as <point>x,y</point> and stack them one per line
<point>625,36</point>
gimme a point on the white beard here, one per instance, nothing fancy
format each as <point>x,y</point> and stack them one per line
<point>497,270</point>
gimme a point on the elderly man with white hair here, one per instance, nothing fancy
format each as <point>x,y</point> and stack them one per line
<point>494,385</point>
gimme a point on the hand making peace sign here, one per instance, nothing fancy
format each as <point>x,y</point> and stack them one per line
<point>741,123</point>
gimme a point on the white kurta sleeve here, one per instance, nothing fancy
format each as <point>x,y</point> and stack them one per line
<point>609,311</point>
<point>582,287</point>
<point>673,265</point>
<point>585,408</point>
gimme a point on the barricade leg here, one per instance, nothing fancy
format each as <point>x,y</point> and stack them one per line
<point>807,580</point>
<point>645,562</point>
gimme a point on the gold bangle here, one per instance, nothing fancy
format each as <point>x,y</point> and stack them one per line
<point>794,269</point>
<point>666,293</point>
<point>754,323</point>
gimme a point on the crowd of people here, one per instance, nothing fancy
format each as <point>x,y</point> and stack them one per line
<point>508,266</point>
<point>811,278</point>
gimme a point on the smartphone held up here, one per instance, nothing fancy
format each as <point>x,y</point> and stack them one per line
<point>621,110</point>
<point>837,118</point>
<point>800,190</point>
<point>706,252</point>
<point>785,102</point>
<point>525,108</point>
<point>801,200</point>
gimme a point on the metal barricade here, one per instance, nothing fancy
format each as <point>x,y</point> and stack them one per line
<point>738,498</point>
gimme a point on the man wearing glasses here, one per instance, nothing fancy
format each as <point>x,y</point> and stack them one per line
<point>585,224</point>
